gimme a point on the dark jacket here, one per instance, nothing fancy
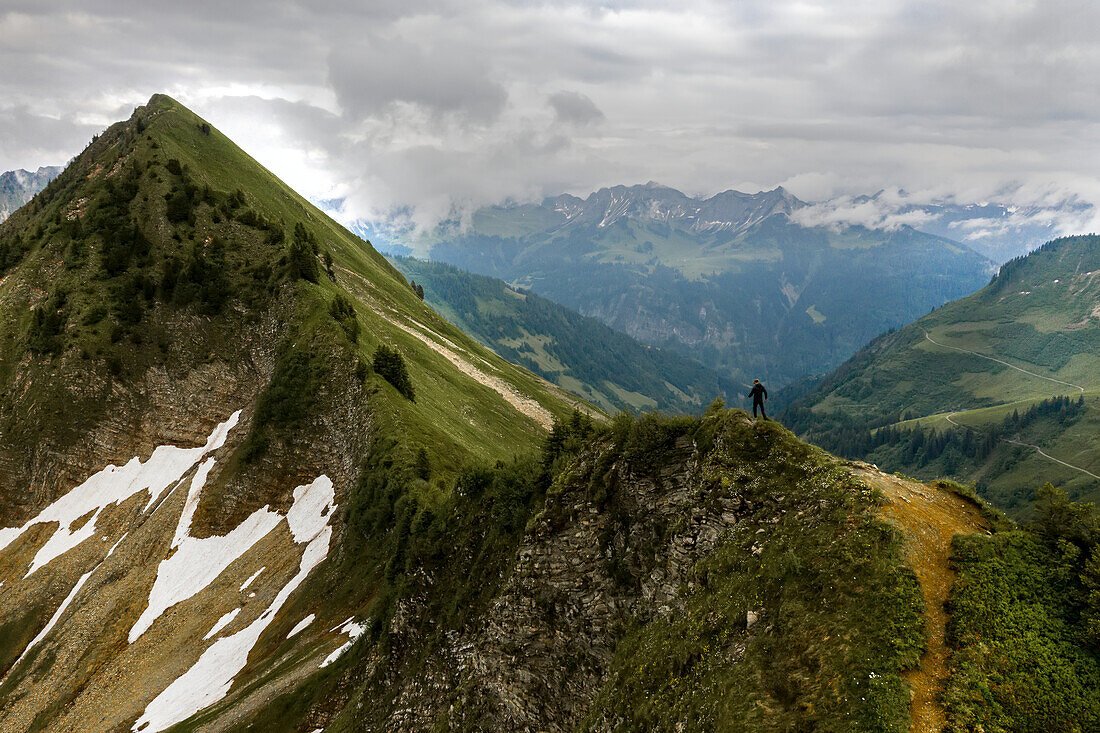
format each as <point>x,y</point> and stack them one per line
<point>758,393</point>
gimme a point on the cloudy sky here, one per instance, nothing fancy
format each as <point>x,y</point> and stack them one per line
<point>433,104</point>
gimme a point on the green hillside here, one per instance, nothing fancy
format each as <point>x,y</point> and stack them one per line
<point>733,281</point>
<point>605,367</point>
<point>166,284</point>
<point>249,480</point>
<point>950,383</point>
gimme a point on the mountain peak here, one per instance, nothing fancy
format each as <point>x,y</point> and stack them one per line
<point>173,311</point>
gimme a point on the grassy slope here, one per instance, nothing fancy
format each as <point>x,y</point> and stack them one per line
<point>579,353</point>
<point>1038,315</point>
<point>64,379</point>
<point>455,417</point>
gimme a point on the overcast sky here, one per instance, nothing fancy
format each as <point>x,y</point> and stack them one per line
<point>437,103</point>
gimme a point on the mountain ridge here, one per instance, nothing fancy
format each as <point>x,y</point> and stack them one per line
<point>145,302</point>
<point>732,280</point>
<point>1010,365</point>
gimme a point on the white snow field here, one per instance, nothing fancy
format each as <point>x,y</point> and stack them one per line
<point>113,485</point>
<point>221,623</point>
<point>301,625</point>
<point>197,562</point>
<point>354,631</point>
<point>210,678</point>
<point>252,577</point>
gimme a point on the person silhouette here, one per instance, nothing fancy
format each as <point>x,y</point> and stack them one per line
<point>759,397</point>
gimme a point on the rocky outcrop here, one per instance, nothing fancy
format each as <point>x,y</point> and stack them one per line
<point>616,542</point>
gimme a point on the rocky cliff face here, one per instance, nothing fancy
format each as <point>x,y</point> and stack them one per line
<point>634,536</point>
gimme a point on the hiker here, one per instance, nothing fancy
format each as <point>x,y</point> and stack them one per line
<point>759,397</point>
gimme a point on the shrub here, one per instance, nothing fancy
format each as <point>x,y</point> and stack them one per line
<point>179,206</point>
<point>390,365</point>
<point>48,325</point>
<point>342,310</point>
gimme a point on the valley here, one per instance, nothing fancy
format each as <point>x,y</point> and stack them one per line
<point>998,388</point>
<point>254,481</point>
<point>734,281</point>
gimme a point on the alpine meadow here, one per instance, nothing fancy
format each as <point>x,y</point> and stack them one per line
<point>352,382</point>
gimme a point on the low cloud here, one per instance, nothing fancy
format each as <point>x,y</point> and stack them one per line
<point>574,108</point>
<point>432,106</point>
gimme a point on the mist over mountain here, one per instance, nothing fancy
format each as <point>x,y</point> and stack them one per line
<point>999,230</point>
<point>18,187</point>
<point>733,280</point>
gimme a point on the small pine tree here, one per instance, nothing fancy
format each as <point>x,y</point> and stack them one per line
<point>302,263</point>
<point>423,464</point>
<point>389,363</point>
<point>343,312</point>
<point>420,291</point>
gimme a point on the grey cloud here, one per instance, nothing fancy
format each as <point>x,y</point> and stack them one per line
<point>380,71</point>
<point>435,104</point>
<point>575,108</point>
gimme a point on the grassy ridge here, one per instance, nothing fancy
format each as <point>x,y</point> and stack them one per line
<point>1038,325</point>
<point>840,615</point>
<point>603,366</point>
<point>841,612</point>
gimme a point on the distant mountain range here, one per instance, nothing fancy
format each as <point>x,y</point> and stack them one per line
<point>734,280</point>
<point>17,187</point>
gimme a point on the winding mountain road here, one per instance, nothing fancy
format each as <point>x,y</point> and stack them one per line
<point>999,361</point>
<point>1047,455</point>
<point>1040,451</point>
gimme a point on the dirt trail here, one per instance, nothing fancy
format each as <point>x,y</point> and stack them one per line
<point>511,395</point>
<point>1000,361</point>
<point>928,517</point>
<point>1017,441</point>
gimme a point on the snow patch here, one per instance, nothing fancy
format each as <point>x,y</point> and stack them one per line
<point>210,678</point>
<point>252,577</point>
<point>354,631</point>
<point>222,623</point>
<point>301,625</point>
<point>113,485</point>
<point>57,614</point>
<point>197,562</point>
